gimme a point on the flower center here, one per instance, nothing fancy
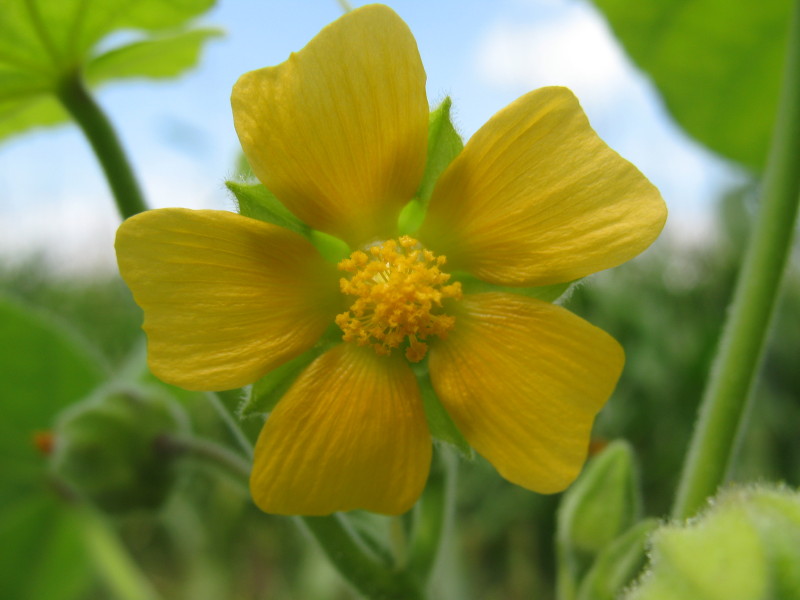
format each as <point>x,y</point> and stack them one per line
<point>399,290</point>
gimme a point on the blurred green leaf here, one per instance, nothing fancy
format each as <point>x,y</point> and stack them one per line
<point>43,553</point>
<point>21,115</point>
<point>44,41</point>
<point>44,368</point>
<point>163,57</point>
<point>717,64</point>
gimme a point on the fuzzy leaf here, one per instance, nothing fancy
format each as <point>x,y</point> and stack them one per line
<point>257,202</point>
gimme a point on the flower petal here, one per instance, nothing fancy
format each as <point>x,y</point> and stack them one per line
<point>339,131</point>
<point>537,198</point>
<point>523,380</point>
<point>349,434</point>
<point>225,298</point>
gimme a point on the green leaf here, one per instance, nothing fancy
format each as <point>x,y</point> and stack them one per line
<point>43,553</point>
<point>44,368</point>
<point>159,58</point>
<point>441,425</point>
<point>45,41</point>
<point>717,65</point>
<point>257,202</point>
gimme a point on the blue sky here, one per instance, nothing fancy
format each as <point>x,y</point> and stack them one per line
<point>484,54</point>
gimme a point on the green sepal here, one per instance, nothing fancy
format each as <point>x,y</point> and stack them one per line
<point>329,246</point>
<point>257,202</point>
<point>411,217</point>
<point>618,564</point>
<point>444,144</point>
<point>440,424</point>
<point>548,293</point>
<point>267,391</point>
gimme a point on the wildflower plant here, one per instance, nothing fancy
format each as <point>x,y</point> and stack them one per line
<point>385,301</point>
<point>339,135</point>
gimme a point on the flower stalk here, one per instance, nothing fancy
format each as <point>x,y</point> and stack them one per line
<point>340,544</point>
<point>79,103</point>
<point>726,397</point>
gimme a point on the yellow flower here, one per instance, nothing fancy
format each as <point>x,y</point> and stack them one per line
<point>339,134</point>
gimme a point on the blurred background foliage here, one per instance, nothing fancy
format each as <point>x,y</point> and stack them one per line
<point>66,342</point>
<point>208,542</point>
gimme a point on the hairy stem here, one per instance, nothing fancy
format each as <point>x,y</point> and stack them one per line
<point>341,544</point>
<point>725,399</point>
<point>76,99</point>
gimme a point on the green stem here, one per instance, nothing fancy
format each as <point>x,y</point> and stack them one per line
<point>119,572</point>
<point>725,399</point>
<point>201,448</point>
<point>230,423</point>
<point>363,570</point>
<point>76,99</point>
<point>356,564</point>
<point>434,514</point>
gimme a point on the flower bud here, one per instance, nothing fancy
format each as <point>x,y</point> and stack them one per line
<point>745,547</point>
<point>603,502</point>
<point>104,448</point>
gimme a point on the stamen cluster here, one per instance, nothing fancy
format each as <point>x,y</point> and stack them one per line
<point>399,288</point>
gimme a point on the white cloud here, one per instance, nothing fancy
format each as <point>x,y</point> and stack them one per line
<point>571,46</point>
<point>74,231</point>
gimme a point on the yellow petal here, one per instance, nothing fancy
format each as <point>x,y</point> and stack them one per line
<point>225,298</point>
<point>523,381</point>
<point>349,434</point>
<point>339,131</point>
<point>537,198</point>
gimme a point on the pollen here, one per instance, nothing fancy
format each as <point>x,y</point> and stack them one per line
<point>400,290</point>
